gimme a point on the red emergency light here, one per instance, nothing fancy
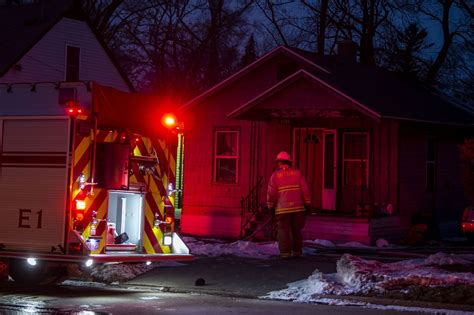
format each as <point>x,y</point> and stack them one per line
<point>73,108</point>
<point>169,120</point>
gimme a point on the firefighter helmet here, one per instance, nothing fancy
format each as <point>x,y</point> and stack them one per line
<point>283,156</point>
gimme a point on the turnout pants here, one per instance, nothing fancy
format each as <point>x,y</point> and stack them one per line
<point>290,239</point>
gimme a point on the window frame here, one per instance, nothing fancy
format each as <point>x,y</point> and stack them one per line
<point>67,66</point>
<point>344,160</point>
<point>215,156</point>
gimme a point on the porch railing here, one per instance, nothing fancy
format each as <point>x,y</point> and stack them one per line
<point>250,207</point>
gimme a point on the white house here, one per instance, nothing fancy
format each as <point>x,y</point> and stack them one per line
<point>49,54</point>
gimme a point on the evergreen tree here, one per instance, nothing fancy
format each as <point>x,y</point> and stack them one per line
<point>407,51</point>
<point>249,54</point>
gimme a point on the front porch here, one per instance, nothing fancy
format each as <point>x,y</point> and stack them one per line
<point>342,229</point>
<point>364,225</point>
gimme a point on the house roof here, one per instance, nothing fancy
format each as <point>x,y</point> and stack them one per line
<point>389,94</point>
<point>277,51</point>
<point>382,92</point>
<point>22,26</point>
<point>299,75</point>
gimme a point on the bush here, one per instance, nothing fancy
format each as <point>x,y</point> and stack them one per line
<point>467,156</point>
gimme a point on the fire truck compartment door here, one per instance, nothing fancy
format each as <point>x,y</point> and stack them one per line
<point>126,211</point>
<point>33,182</point>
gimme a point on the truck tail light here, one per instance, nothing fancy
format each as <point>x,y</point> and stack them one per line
<point>79,213</point>
<point>80,205</point>
<point>73,108</point>
<point>168,220</point>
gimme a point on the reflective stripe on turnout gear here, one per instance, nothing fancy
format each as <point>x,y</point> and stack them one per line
<point>289,188</point>
<point>288,210</point>
<point>287,191</point>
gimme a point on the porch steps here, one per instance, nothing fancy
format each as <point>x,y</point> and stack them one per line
<point>260,228</point>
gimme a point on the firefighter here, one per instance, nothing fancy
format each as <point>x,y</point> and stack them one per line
<point>287,198</point>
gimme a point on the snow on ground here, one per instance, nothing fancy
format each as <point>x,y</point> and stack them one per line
<point>115,272</point>
<point>214,248</point>
<point>360,276</point>
<point>354,275</point>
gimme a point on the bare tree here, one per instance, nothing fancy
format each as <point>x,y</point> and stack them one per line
<point>455,20</point>
<point>320,13</point>
<point>222,26</point>
<point>101,14</point>
<point>283,21</point>
<point>179,47</point>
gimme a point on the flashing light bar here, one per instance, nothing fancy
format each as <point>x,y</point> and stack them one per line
<point>169,120</point>
<point>73,108</point>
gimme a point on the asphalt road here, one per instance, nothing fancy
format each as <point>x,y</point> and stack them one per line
<point>234,276</point>
<point>91,299</point>
<point>232,286</point>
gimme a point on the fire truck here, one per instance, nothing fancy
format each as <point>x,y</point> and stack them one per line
<point>101,183</point>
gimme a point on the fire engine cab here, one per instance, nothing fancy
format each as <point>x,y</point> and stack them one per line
<point>101,183</point>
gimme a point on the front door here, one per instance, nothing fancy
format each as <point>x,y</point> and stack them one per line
<point>308,158</point>
<point>329,170</point>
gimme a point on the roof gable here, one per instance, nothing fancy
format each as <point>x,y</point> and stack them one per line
<point>377,90</point>
<point>305,76</point>
<point>280,50</point>
<point>22,27</point>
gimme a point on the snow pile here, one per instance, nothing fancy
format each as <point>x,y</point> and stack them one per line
<point>442,259</point>
<point>324,243</point>
<point>212,248</point>
<point>353,244</point>
<point>110,273</point>
<point>359,276</point>
<point>380,243</point>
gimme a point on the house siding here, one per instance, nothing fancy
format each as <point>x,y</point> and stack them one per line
<point>46,60</point>
<point>42,102</point>
<point>443,206</point>
<point>214,209</point>
<point>385,164</point>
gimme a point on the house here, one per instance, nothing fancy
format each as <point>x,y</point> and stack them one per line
<point>377,151</point>
<point>49,55</point>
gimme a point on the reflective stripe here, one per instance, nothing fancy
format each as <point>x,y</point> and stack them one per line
<point>289,187</point>
<point>288,210</point>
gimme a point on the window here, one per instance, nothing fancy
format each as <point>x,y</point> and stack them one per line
<point>356,159</point>
<point>226,156</point>
<point>72,63</point>
<point>430,164</point>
